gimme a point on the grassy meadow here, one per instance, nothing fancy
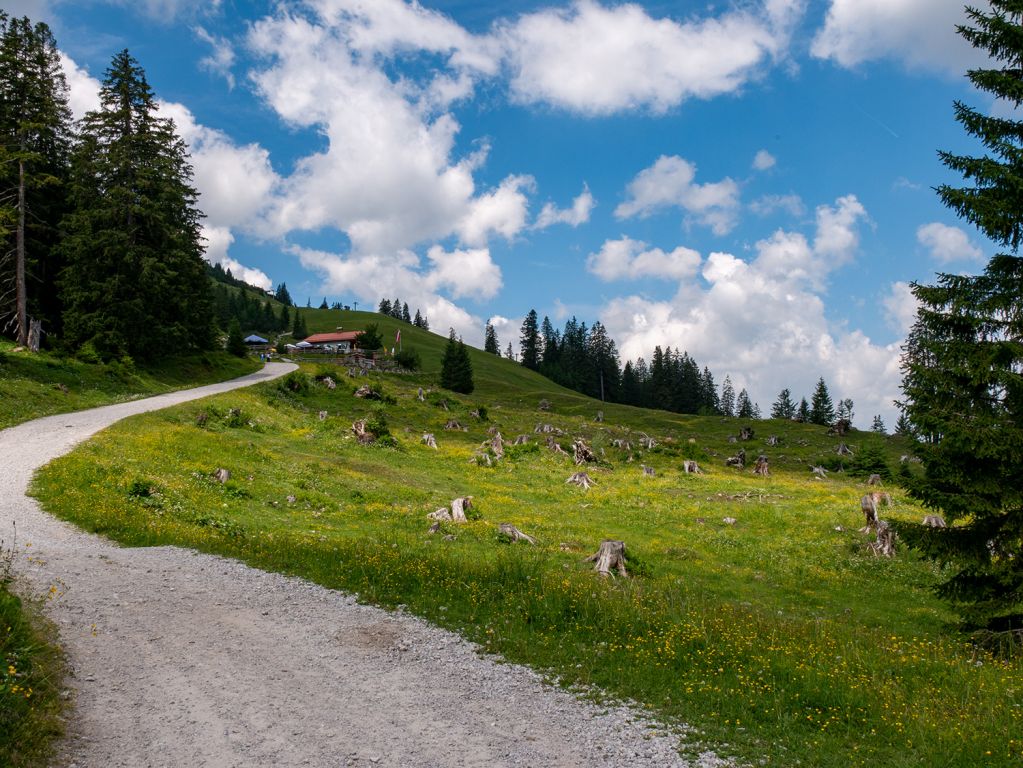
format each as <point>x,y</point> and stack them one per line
<point>42,384</point>
<point>779,637</point>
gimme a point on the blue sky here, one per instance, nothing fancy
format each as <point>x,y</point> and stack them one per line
<point>750,181</point>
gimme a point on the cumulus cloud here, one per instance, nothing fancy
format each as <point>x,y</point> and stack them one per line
<point>631,259</point>
<point>762,320</point>
<point>501,211</point>
<point>83,88</point>
<point>221,59</point>
<point>763,160</point>
<point>466,273</point>
<point>947,244</point>
<point>919,33</point>
<point>578,213</point>
<point>598,60</point>
<point>900,306</point>
<point>669,183</point>
<point>768,205</point>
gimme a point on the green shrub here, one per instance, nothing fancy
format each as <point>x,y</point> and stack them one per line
<point>409,359</point>
<point>295,382</point>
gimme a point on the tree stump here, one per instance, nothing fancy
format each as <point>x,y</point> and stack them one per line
<point>420,396</point>
<point>934,521</point>
<point>521,440</point>
<point>843,450</point>
<point>322,415</point>
<point>773,440</point>
<point>868,505</point>
<point>329,383</point>
<point>600,417</point>
<point>738,460</point>
<point>512,534</point>
<point>475,413</point>
<point>497,445</point>
<point>459,507</point>
<point>690,467</point>
<point>625,445</point>
<point>362,434</point>
<point>440,515</point>
<point>611,555</point>
<point>840,428</point>
<point>548,429</point>
<point>430,440</point>
<point>647,442</point>
<point>583,453</point>
<point>746,433</point>
<point>733,439</point>
<point>819,472</point>
<point>554,445</point>
<point>729,520</point>
<point>444,405</point>
<point>454,425</point>
<point>545,405</point>
<point>581,479</point>
<point>222,475</point>
<point>366,392</point>
<point>434,528</point>
<point>884,546</point>
<point>760,468</point>
<point>648,471</point>
<point>874,480</point>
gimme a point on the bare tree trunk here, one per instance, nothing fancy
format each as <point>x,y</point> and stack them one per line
<point>459,507</point>
<point>430,440</point>
<point>610,555</point>
<point>509,531</point>
<point>581,479</point>
<point>554,445</point>
<point>885,544</point>
<point>19,269</point>
<point>583,453</point>
<point>760,468</point>
<point>691,467</point>
<point>868,505</point>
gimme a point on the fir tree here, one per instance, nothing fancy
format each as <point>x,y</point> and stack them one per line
<point>803,412</point>
<point>284,321</point>
<point>878,425</point>
<point>385,307</point>
<point>509,353</point>
<point>35,139</point>
<point>404,313</point>
<point>456,367</point>
<point>490,340</point>
<point>323,304</point>
<point>396,309</point>
<point>963,393</point>
<point>902,425</point>
<point>371,339</point>
<point>235,340</point>
<point>135,280</point>
<point>282,295</point>
<point>418,320</point>
<point>743,405</point>
<point>822,410</point>
<point>727,397</point>
<point>783,407</point>
<point>529,342</point>
<point>298,327</point>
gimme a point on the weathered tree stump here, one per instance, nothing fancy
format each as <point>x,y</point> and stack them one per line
<point>475,413</point>
<point>548,429</point>
<point>512,534</point>
<point>554,445</point>
<point>819,472</point>
<point>760,468</point>
<point>434,528</point>
<point>439,515</point>
<point>647,442</point>
<point>648,471</point>
<point>222,475</point>
<point>459,507</point>
<point>600,417</point>
<point>733,439</point>
<point>746,433</point>
<point>773,440</point>
<point>625,445</point>
<point>611,555</point>
<point>874,480</point>
<point>366,392</point>
<point>497,445</point>
<point>362,434</point>
<point>738,460</point>
<point>843,450</point>
<point>430,440</point>
<point>690,467</point>
<point>884,546</point>
<point>482,459</point>
<point>521,440</point>
<point>421,396</point>
<point>455,426</point>
<point>581,479</point>
<point>201,418</point>
<point>322,415</point>
<point>729,520</point>
<point>840,428</point>
<point>583,453</point>
<point>444,405</point>
<point>545,405</point>
<point>934,521</point>
<point>868,505</point>
<point>329,383</point>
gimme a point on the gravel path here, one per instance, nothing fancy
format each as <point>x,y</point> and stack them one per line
<point>184,659</point>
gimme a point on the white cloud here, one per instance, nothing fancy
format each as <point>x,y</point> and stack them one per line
<point>598,60</point>
<point>578,214</point>
<point>837,239</point>
<point>221,58</point>
<point>767,205</point>
<point>501,211</point>
<point>919,33</point>
<point>900,306</point>
<point>947,244</point>
<point>668,183</point>
<point>630,259</point>
<point>763,160</point>
<point>83,88</point>
<point>466,273</point>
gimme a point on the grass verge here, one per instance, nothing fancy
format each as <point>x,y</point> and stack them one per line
<point>778,636</point>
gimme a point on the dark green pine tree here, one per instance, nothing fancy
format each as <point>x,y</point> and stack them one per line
<point>404,313</point>
<point>743,405</point>
<point>282,295</point>
<point>877,425</point>
<point>235,340</point>
<point>323,304</point>
<point>822,409</point>
<point>490,340</point>
<point>135,279</point>
<point>456,367</point>
<point>803,412</point>
<point>529,342</point>
<point>284,321</point>
<point>727,397</point>
<point>962,382</point>
<point>418,320</point>
<point>298,327</point>
<point>35,142</point>
<point>509,353</point>
<point>783,407</point>
<point>902,425</point>
<point>385,307</point>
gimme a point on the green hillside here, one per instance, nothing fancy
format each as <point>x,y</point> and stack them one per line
<point>754,611</point>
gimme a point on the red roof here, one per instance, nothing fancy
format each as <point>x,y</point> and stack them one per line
<point>333,338</point>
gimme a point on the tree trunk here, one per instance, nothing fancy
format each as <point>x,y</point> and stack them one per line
<point>554,445</point>
<point>19,269</point>
<point>222,475</point>
<point>583,452</point>
<point>760,468</point>
<point>611,555</point>
<point>885,544</point>
<point>420,396</point>
<point>868,505</point>
<point>746,433</point>
<point>581,479</point>
<point>600,417</point>
<point>648,471</point>
<point>430,440</point>
<point>934,521</point>
<point>843,450</point>
<point>513,534</point>
<point>738,460</point>
<point>459,507</point>
<point>691,467</point>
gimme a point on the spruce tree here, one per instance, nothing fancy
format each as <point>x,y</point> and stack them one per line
<point>878,425</point>
<point>962,384</point>
<point>235,340</point>
<point>135,279</point>
<point>803,412</point>
<point>490,340</point>
<point>783,407</point>
<point>529,342</point>
<point>509,353</point>
<point>35,140</point>
<point>385,307</point>
<point>418,320</point>
<point>323,304</point>
<point>282,295</point>
<point>743,405</point>
<point>404,313</point>
<point>902,425</point>
<point>822,410</point>
<point>456,367</point>
<point>727,397</point>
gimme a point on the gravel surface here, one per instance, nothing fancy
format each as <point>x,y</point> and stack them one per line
<point>184,659</point>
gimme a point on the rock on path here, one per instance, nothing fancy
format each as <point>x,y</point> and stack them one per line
<point>184,659</point>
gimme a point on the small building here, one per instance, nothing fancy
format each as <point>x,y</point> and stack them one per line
<point>337,342</point>
<point>256,343</point>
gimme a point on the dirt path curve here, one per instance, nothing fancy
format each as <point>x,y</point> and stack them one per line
<point>181,659</point>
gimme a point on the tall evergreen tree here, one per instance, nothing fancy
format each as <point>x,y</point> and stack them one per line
<point>743,405</point>
<point>903,426</point>
<point>135,279</point>
<point>727,397</point>
<point>529,342</point>
<point>783,407</point>
<point>282,295</point>
<point>877,425</point>
<point>822,410</point>
<point>490,340</point>
<point>298,328</point>
<point>603,355</point>
<point>509,352</point>
<point>803,412</point>
<point>235,340</point>
<point>456,367</point>
<point>404,313</point>
<point>418,320</point>
<point>35,140</point>
<point>962,385</point>
<point>384,307</point>
<point>323,304</point>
